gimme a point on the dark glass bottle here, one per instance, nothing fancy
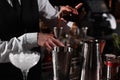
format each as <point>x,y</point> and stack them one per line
<point>68,16</point>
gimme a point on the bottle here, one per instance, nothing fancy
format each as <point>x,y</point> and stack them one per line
<point>111,64</point>
<point>69,16</point>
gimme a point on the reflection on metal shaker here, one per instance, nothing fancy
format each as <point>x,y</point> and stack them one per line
<point>61,57</point>
<point>92,65</point>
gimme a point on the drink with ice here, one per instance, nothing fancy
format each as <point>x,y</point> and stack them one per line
<point>24,61</point>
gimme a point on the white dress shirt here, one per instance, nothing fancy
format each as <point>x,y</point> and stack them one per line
<point>29,40</point>
<point>26,41</point>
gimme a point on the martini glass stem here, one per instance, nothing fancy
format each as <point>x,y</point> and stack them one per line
<point>25,74</point>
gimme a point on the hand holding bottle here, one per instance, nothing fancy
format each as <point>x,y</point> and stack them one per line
<point>67,12</point>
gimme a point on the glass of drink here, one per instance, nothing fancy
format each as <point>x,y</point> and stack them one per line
<point>24,61</point>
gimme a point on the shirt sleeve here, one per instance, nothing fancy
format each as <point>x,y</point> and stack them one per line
<point>26,42</point>
<point>46,9</point>
<point>48,14</point>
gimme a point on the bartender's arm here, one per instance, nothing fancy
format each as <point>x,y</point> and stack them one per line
<point>27,42</point>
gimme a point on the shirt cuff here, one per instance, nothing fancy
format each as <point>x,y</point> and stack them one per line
<point>32,39</point>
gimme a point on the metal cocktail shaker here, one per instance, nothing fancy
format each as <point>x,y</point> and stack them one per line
<point>92,65</point>
<point>61,57</point>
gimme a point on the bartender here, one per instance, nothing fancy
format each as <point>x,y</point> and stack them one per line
<point>19,27</point>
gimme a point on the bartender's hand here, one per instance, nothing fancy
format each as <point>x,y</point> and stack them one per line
<point>48,41</point>
<point>69,9</point>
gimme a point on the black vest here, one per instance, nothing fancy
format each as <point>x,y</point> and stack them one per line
<point>11,25</point>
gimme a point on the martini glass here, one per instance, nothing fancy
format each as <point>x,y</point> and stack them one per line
<point>24,61</point>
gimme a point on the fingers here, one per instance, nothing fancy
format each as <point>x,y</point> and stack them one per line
<point>51,42</point>
<point>78,6</point>
<point>68,9</point>
<point>57,42</point>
